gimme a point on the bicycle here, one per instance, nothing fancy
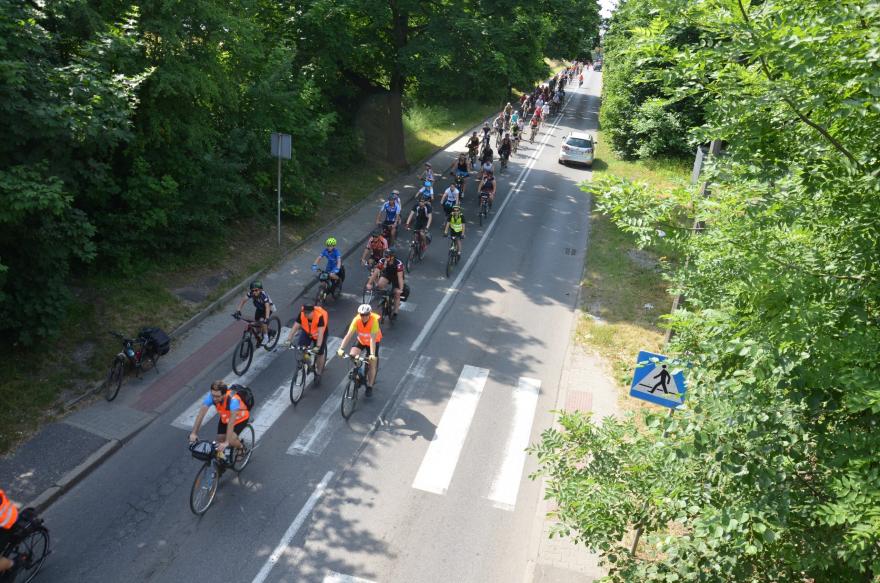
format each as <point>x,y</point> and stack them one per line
<point>244,354</point>
<point>28,547</point>
<point>305,365</point>
<point>357,377</point>
<point>134,352</point>
<point>204,487</point>
<point>327,287</point>
<point>472,157</point>
<point>533,134</point>
<point>484,207</point>
<point>417,247</point>
<point>454,255</point>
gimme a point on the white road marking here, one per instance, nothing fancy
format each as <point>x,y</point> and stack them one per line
<point>439,462</point>
<point>316,435</point>
<point>334,577</point>
<point>505,486</point>
<point>404,306</point>
<point>450,292</point>
<point>293,528</point>
<point>262,359</point>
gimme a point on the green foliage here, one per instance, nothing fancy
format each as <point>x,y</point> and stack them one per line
<point>770,473</point>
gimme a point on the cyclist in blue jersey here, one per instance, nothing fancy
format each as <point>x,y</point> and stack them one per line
<point>263,307</point>
<point>389,218</point>
<point>426,192</point>
<point>334,263</point>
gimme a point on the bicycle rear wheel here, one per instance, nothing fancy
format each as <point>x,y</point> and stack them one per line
<point>248,439</point>
<point>298,384</point>
<point>31,554</point>
<point>204,489</point>
<point>243,355</point>
<point>274,332</point>
<point>349,399</point>
<point>450,261</point>
<point>411,258</point>
<point>114,378</point>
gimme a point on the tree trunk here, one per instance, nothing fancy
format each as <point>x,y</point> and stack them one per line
<point>396,152</point>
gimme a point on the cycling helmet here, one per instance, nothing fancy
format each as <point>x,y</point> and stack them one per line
<point>456,208</point>
<point>376,232</point>
<point>391,251</point>
<point>364,309</point>
<point>428,183</point>
<point>428,164</point>
<point>308,307</point>
<point>256,284</point>
<point>330,242</point>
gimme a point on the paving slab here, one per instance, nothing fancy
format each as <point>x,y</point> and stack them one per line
<point>110,420</point>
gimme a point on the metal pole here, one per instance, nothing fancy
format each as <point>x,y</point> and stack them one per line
<point>279,193</point>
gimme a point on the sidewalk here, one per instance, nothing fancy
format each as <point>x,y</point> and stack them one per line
<point>63,452</point>
<point>560,560</point>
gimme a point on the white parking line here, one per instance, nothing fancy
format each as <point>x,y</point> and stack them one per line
<point>334,577</point>
<point>316,435</point>
<point>439,462</point>
<point>505,486</point>
<point>262,359</point>
<point>293,528</point>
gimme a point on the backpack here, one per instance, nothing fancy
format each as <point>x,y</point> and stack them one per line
<point>404,294</point>
<point>158,341</point>
<point>245,394</point>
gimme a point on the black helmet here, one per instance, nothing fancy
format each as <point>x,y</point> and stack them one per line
<point>256,284</point>
<point>308,307</point>
<point>376,232</point>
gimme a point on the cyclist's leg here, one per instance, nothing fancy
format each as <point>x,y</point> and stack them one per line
<point>373,368</point>
<point>397,291</point>
<point>5,539</point>
<point>260,316</point>
<point>321,360</point>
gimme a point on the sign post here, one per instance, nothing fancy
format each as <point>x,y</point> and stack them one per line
<point>280,147</point>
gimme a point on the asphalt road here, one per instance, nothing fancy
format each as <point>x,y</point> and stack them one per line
<point>427,481</point>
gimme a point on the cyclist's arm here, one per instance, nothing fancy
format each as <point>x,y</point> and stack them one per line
<point>373,333</point>
<point>230,427</point>
<point>409,218</point>
<point>243,302</point>
<point>339,263</point>
<point>399,281</point>
<point>430,219</point>
<point>379,216</point>
<point>268,310</point>
<point>321,331</point>
<point>347,337</point>
<point>293,330</point>
<point>194,434</point>
<point>365,253</point>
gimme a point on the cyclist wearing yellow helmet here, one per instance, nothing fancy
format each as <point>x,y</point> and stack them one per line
<point>334,263</point>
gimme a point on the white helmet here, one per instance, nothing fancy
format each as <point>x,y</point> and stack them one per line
<point>364,309</point>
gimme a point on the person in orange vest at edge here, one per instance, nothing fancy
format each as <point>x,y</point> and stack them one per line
<point>8,518</point>
<point>365,326</point>
<point>233,415</point>
<point>312,328</point>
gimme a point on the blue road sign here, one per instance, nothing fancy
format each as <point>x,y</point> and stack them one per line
<point>653,381</point>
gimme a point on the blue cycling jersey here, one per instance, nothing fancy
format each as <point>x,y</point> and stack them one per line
<point>390,213</point>
<point>333,258</point>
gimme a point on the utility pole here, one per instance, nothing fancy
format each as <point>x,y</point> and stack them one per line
<point>280,147</point>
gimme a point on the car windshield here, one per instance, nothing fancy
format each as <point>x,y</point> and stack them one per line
<point>579,143</point>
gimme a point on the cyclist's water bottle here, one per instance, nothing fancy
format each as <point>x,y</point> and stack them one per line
<point>129,352</point>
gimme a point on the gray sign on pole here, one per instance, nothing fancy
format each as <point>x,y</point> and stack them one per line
<point>280,146</point>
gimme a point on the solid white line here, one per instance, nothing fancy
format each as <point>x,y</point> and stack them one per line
<point>334,577</point>
<point>515,187</point>
<point>317,434</point>
<point>505,486</point>
<point>439,462</point>
<point>262,359</point>
<point>293,528</point>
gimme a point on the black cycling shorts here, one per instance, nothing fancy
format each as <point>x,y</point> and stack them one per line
<point>260,314</point>
<point>6,537</point>
<point>367,348</point>
<point>239,427</point>
<point>306,340</point>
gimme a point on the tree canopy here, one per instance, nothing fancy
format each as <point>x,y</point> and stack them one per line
<point>770,472</point>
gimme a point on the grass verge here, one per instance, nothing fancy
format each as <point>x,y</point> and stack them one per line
<point>36,383</point>
<point>623,293</point>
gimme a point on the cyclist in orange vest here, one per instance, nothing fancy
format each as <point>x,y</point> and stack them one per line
<point>366,326</point>
<point>8,517</point>
<point>229,408</point>
<point>312,328</point>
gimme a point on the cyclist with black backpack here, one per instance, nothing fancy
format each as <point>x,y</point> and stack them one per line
<point>233,407</point>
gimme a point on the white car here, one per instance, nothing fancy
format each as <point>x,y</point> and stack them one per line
<point>577,147</point>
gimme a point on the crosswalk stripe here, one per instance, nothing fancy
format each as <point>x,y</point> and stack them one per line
<point>334,577</point>
<point>404,306</point>
<point>316,435</point>
<point>439,462</point>
<point>505,486</point>
<point>262,359</point>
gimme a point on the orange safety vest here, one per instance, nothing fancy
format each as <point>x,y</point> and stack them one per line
<point>365,331</point>
<point>8,512</point>
<point>312,328</point>
<point>225,413</point>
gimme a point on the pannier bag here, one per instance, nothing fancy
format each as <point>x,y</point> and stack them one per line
<point>159,342</point>
<point>202,450</point>
<point>405,293</point>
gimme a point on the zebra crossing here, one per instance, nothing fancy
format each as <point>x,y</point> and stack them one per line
<point>441,458</point>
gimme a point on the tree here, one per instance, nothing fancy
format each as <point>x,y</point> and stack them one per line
<point>770,473</point>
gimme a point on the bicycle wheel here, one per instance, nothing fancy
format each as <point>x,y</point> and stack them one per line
<point>321,294</point>
<point>482,213</point>
<point>114,378</point>
<point>349,399</point>
<point>411,258</point>
<point>30,555</point>
<point>450,261</point>
<point>274,332</point>
<point>243,355</point>
<point>298,384</point>
<point>204,489</point>
<point>247,440</point>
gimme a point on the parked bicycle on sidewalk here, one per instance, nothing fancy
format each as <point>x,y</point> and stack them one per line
<point>150,344</point>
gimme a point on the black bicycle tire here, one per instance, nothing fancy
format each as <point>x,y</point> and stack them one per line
<point>213,489</point>
<point>245,341</point>
<point>34,568</point>
<point>321,294</point>
<point>298,388</point>
<point>410,258</point>
<point>249,449</point>
<point>350,389</point>
<point>480,215</point>
<point>114,378</point>
<point>273,341</point>
<point>449,263</point>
